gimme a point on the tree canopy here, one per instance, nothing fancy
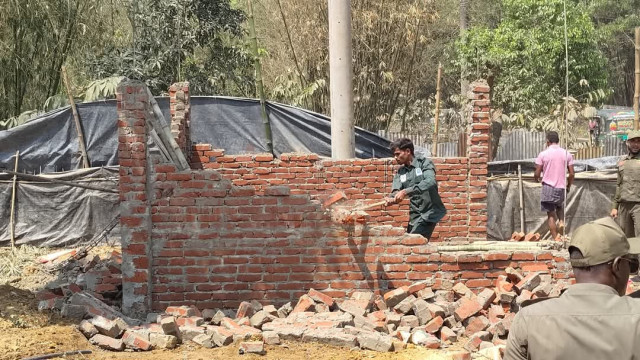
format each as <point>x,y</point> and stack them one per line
<point>524,56</point>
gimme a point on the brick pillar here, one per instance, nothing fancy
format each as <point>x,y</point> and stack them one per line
<point>135,219</point>
<point>180,104</point>
<point>478,154</point>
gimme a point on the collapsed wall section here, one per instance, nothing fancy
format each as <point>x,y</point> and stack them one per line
<point>236,228</point>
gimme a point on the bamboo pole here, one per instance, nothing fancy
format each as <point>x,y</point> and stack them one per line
<point>434,148</point>
<point>56,181</point>
<point>258,69</point>
<point>521,196</point>
<point>501,245</point>
<point>13,204</point>
<point>636,94</point>
<point>76,119</point>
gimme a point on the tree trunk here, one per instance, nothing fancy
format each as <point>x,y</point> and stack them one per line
<point>464,25</point>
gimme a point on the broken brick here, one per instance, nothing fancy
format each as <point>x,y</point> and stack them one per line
<point>476,324</point>
<point>204,340</point>
<point>434,325</point>
<point>135,341</point>
<point>251,347</point>
<point>467,309</point>
<point>87,329</point>
<point>352,307</point>
<point>447,335</point>
<point>473,344</point>
<point>169,325</point>
<point>405,305</point>
<point>486,297</point>
<point>107,343</point>
<point>162,341</point>
<point>394,297</point>
<point>244,310</point>
<point>462,290</point>
<point>305,303</point>
<point>321,298</point>
<point>529,282</point>
<point>182,311</point>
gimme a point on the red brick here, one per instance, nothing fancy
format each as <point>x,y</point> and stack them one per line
<point>244,310</point>
<point>320,297</point>
<point>467,309</point>
<point>519,256</point>
<point>305,303</point>
<point>135,342</point>
<point>434,325</point>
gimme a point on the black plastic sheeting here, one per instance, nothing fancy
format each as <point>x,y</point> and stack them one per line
<point>589,199</point>
<point>50,214</point>
<point>49,143</point>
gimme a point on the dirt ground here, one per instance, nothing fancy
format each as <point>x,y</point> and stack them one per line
<point>25,332</point>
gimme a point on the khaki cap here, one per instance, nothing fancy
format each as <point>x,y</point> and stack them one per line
<point>601,241</point>
<point>633,134</point>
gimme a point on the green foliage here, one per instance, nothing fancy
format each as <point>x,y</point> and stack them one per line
<point>524,56</point>
<point>614,21</point>
<point>174,40</point>
<point>36,39</point>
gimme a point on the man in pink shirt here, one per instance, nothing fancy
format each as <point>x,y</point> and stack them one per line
<point>554,163</point>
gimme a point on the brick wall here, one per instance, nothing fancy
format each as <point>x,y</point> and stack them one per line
<point>360,179</point>
<point>243,227</point>
<point>180,110</point>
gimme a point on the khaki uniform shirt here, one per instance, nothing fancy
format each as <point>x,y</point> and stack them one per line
<point>628,184</point>
<point>419,180</point>
<point>588,321</point>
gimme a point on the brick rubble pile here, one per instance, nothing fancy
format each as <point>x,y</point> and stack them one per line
<point>411,314</point>
<point>93,274</point>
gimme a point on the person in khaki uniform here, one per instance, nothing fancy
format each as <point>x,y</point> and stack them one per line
<point>591,319</point>
<point>626,202</point>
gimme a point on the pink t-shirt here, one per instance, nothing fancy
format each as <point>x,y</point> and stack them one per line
<point>553,165</point>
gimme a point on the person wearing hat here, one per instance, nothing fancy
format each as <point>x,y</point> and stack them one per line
<point>626,202</point>
<point>591,319</point>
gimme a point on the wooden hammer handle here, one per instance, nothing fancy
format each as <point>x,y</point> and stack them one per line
<point>367,207</point>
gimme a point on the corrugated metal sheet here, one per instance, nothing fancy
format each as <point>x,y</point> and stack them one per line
<point>445,149</point>
<point>523,144</point>
<point>520,144</point>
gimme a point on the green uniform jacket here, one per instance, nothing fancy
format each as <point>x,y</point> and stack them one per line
<point>588,321</point>
<point>419,180</point>
<point>628,188</point>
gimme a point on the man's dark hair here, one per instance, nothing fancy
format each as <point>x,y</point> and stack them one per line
<point>402,144</point>
<point>552,137</point>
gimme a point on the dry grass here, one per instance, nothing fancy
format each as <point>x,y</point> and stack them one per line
<point>14,261</point>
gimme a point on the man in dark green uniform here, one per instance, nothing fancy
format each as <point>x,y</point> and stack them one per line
<point>626,202</point>
<point>591,319</point>
<point>416,180</point>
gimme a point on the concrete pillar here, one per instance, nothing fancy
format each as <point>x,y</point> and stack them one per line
<point>341,73</point>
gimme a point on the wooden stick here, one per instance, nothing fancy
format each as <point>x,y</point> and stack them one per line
<point>521,193</point>
<point>56,181</point>
<point>367,207</point>
<point>57,355</point>
<point>76,119</point>
<point>13,204</point>
<point>434,148</point>
<point>636,95</point>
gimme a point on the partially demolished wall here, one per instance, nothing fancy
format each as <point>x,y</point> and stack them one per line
<point>236,228</point>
